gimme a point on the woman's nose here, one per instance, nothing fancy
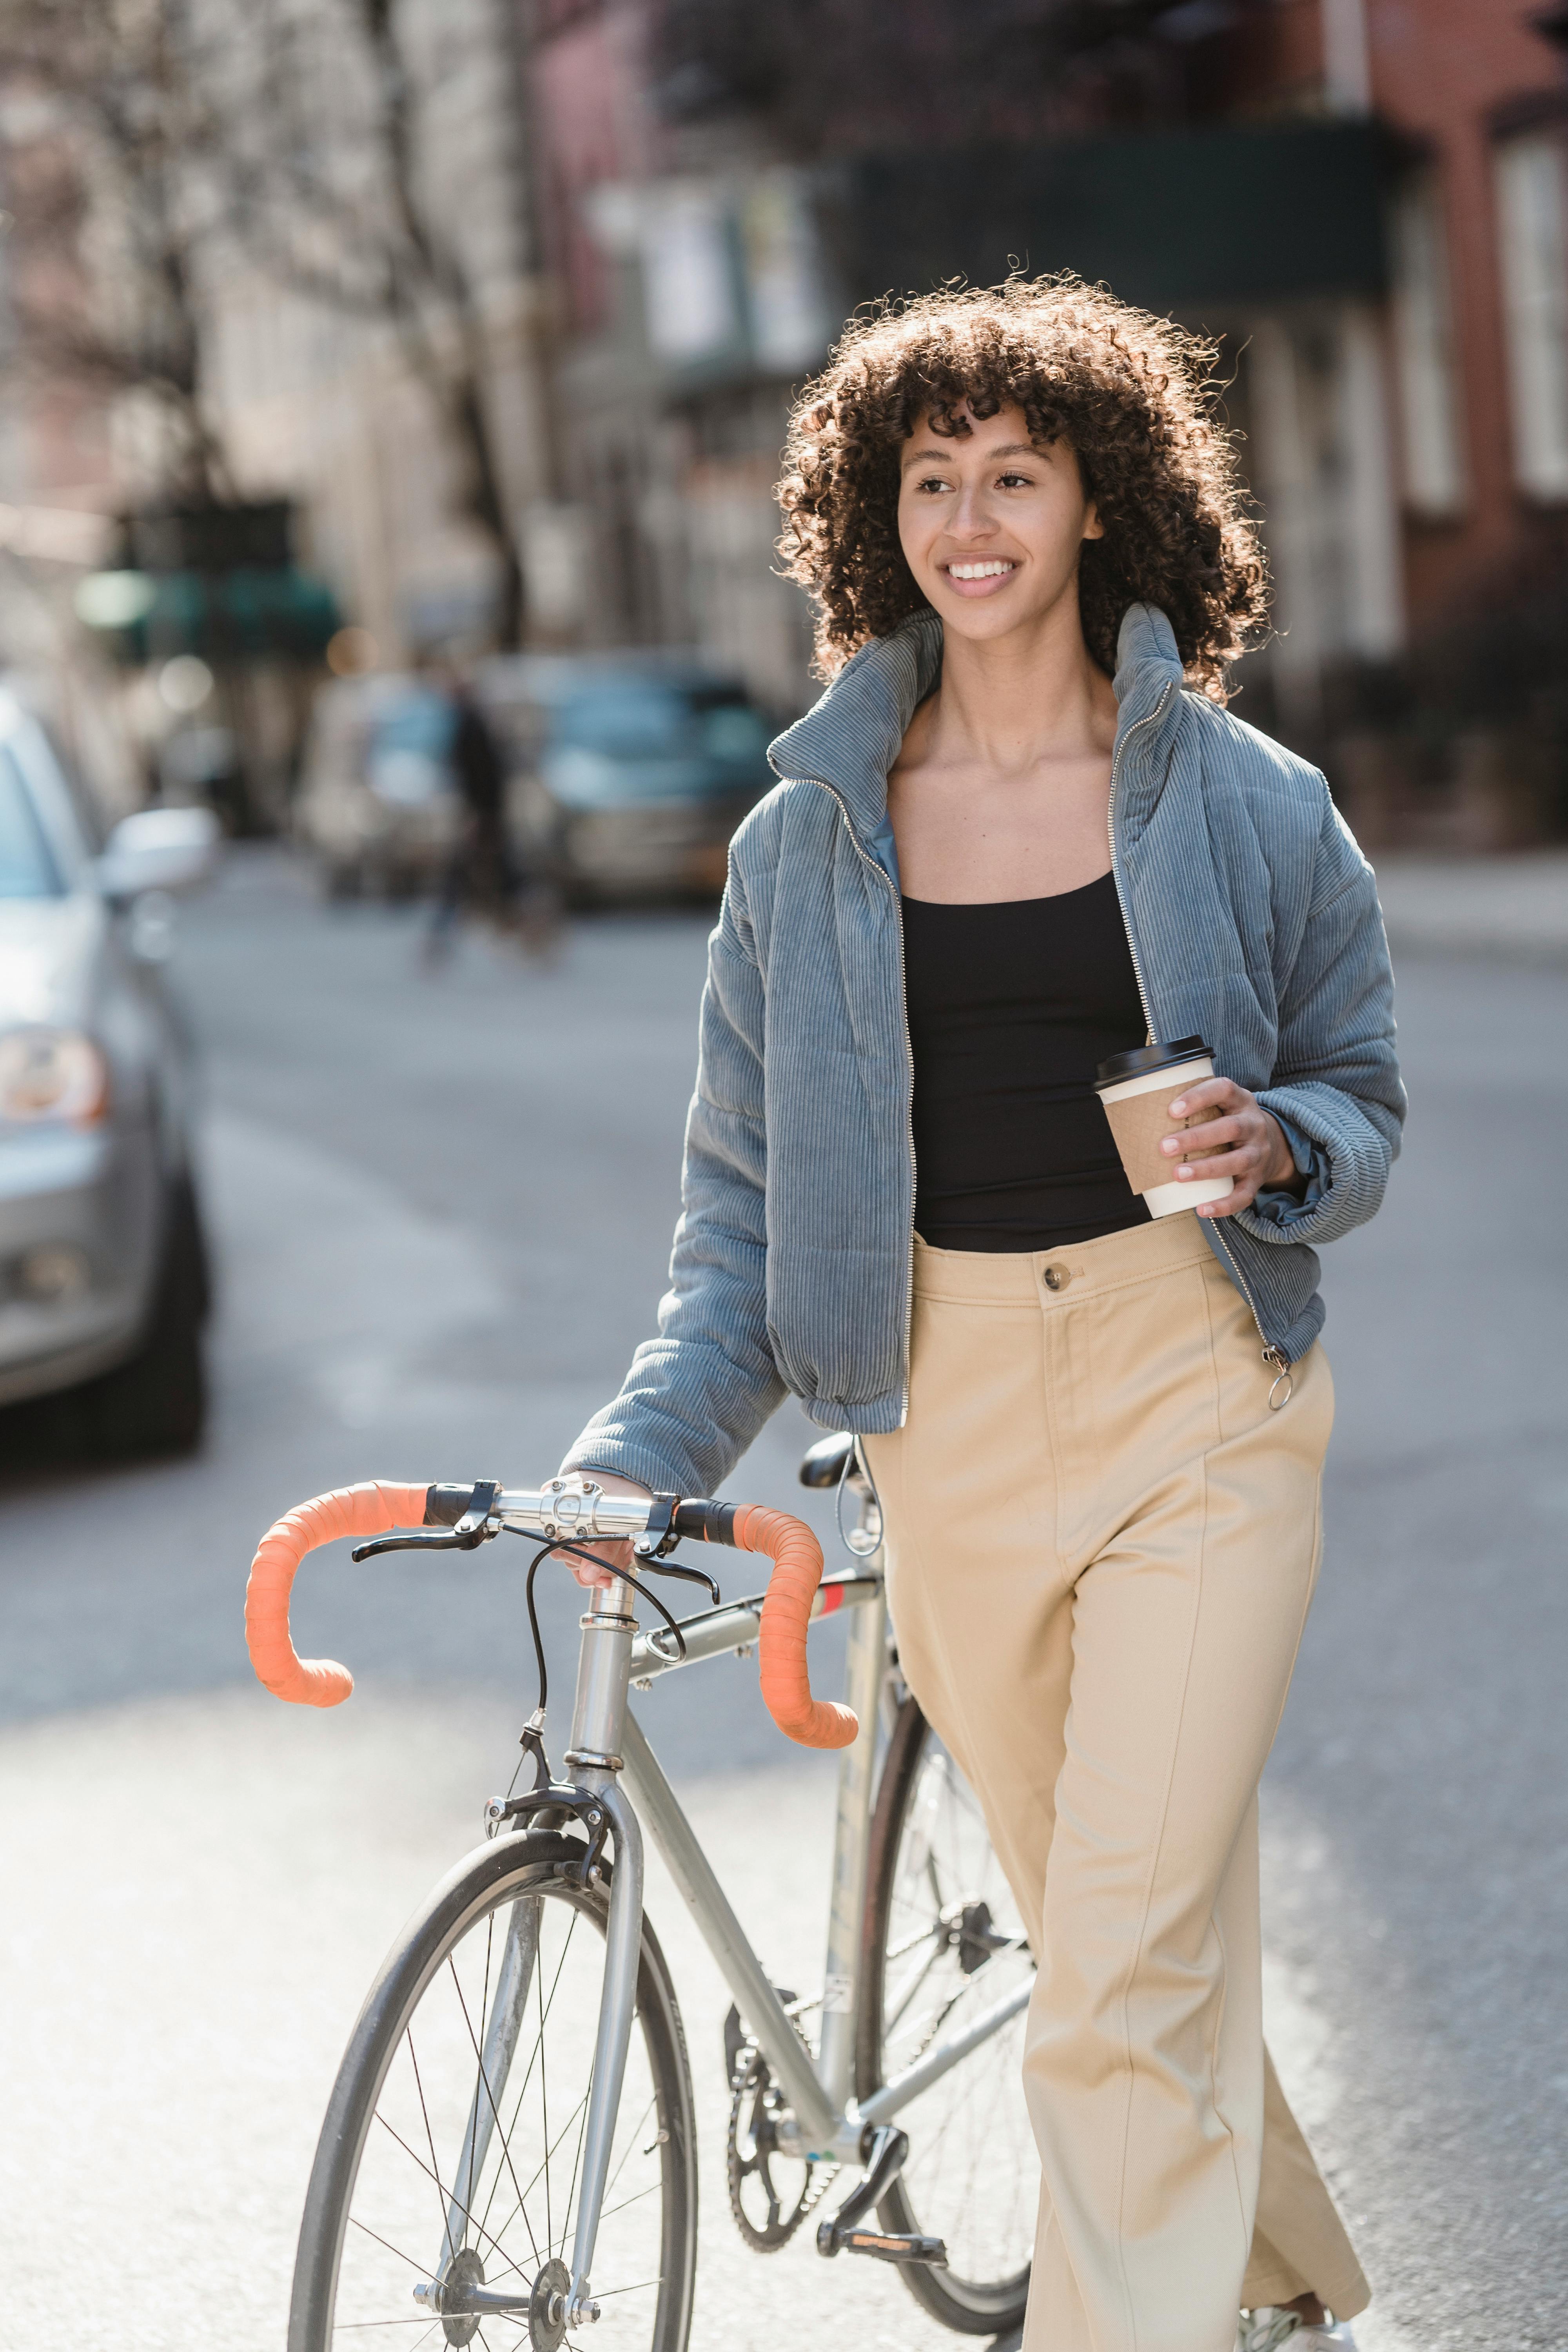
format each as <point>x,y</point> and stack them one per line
<point>972,517</point>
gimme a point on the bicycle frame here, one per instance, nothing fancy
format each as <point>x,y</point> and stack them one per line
<point>608,1748</point>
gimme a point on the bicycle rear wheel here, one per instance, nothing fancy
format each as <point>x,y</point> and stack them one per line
<point>944,1940</point>
<point>451,2152</point>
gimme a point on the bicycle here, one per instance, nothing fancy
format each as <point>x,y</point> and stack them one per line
<point>512,2141</point>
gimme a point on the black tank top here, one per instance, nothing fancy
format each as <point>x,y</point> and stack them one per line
<point>1011,1008</point>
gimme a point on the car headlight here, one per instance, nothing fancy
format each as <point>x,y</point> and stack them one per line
<point>51,1074</point>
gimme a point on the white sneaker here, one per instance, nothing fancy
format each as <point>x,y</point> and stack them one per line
<point>1269,2326</point>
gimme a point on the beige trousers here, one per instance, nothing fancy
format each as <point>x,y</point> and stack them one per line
<point>1102,1544</point>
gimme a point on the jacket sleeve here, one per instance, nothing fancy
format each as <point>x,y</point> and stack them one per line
<point>1336,1089</point>
<point>696,1395</point>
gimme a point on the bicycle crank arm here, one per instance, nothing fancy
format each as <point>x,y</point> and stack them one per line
<point>885,2151</point>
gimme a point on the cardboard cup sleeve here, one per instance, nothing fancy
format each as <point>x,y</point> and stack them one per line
<point>1139,1124</point>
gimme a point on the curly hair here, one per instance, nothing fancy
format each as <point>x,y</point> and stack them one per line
<point>1130,394</point>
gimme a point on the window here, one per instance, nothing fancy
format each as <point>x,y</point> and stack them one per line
<point>1534,240</point>
<point>1424,343</point>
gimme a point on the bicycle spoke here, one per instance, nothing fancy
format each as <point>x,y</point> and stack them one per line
<point>916,1979</point>
<point>435,2165</point>
<point>420,2267</point>
<point>577,2156</point>
<point>357,2326</point>
<point>506,2152</point>
<point>581,2108</point>
<point>950,1945</point>
<point>609,2185</point>
<point>624,2207</point>
<point>484,2021</point>
<point>447,2201</point>
<point>469,2100</point>
<point>527,2075</point>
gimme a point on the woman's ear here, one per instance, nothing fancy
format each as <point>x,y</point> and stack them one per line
<point>1092,526</point>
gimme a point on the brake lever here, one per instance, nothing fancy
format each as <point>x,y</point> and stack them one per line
<point>687,1575</point>
<point>659,1539</point>
<point>471,1531</point>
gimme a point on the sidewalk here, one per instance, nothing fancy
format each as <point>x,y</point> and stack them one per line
<point>1514,908</point>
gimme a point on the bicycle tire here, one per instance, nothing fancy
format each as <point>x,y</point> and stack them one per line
<point>485,1884</point>
<point>918,2202</point>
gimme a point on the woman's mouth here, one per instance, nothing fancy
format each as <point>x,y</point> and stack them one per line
<point>980,577</point>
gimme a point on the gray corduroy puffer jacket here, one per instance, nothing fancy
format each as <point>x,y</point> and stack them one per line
<point>1254,923</point>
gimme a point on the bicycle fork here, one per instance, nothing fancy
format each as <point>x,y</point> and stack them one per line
<point>593,1762</point>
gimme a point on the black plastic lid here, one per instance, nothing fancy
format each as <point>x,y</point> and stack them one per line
<point>1144,1058</point>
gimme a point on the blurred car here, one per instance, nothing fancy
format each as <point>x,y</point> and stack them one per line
<point>377,804</point>
<point>636,769</point>
<point>103,1280</point>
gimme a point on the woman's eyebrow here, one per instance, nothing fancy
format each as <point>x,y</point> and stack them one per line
<point>945,457</point>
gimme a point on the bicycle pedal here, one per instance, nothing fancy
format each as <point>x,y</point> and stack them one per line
<point>887,2248</point>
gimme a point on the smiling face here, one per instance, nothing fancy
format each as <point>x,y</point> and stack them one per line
<point>992,524</point>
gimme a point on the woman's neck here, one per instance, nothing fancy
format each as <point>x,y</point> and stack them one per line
<point>1001,788</point>
<point>1008,703</point>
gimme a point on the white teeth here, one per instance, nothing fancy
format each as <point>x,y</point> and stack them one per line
<point>977,570</point>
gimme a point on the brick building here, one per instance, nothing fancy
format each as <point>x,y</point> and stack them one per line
<point>1365,198</point>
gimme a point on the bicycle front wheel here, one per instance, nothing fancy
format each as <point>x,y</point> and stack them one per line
<point>450,2157</point>
<point>943,1943</point>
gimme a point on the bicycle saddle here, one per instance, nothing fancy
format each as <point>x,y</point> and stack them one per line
<point>832,1459</point>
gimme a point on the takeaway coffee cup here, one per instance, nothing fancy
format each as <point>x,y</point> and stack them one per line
<point>1135,1088</point>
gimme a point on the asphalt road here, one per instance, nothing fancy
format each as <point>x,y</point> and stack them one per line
<point>443,1210</point>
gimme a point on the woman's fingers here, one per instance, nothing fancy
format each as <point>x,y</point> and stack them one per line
<point>1242,1161</point>
<point>1214,1135</point>
<point>587,1572</point>
<point>1218,1094</point>
<point>1242,1142</point>
<point>619,1554</point>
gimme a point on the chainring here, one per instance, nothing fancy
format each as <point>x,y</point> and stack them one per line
<point>751,2150</point>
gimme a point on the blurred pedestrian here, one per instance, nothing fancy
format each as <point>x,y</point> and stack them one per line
<point>1019,841</point>
<point>485,871</point>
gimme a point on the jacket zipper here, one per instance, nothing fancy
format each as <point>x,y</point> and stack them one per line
<point>1115,866</point>
<point>1271,1354</point>
<point>882,874</point>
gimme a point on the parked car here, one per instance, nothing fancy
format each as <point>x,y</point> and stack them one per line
<point>377,804</point>
<point>104,1278</point>
<point>634,768</point>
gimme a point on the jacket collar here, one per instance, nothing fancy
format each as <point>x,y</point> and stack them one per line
<point>851,736</point>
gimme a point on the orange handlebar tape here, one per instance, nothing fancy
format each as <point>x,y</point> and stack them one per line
<point>367,1511</point>
<point>786,1612</point>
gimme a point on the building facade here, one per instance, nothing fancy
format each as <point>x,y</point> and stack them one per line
<point>1365,199</point>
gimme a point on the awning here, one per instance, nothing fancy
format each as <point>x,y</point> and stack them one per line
<point>1171,220</point>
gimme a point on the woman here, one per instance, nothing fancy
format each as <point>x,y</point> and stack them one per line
<point>1018,833</point>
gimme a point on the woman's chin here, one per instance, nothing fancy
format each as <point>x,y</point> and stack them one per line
<point>985,617</point>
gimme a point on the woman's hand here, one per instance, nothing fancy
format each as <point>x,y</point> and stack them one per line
<point>619,1554</point>
<point>1246,1143</point>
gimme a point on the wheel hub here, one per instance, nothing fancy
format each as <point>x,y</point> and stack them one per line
<point>464,2271</point>
<point>547,2307</point>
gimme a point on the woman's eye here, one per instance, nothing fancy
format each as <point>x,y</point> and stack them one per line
<point>1014,481</point>
<point>931,482</point>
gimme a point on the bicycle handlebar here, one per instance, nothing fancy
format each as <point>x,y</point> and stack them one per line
<point>576,1511</point>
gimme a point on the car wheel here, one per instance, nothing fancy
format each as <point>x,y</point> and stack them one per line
<point>156,1402</point>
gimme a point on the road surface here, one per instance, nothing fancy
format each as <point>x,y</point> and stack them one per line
<point>443,1210</point>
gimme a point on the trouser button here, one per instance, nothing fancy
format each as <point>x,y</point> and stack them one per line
<point>1056,1277</point>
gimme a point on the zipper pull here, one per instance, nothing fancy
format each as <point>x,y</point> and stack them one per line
<point>1284,1387</point>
